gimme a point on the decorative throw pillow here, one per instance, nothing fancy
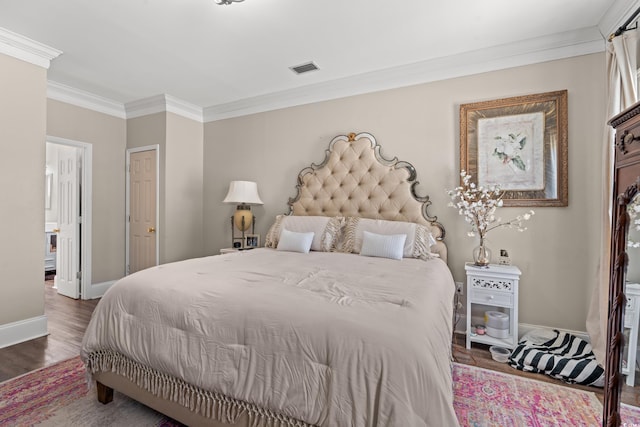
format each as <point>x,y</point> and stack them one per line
<point>326,230</point>
<point>295,242</point>
<point>418,237</point>
<point>383,246</point>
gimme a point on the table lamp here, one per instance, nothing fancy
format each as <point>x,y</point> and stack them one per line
<point>245,194</point>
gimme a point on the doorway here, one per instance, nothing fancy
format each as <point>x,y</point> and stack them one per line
<point>142,206</point>
<point>68,215</point>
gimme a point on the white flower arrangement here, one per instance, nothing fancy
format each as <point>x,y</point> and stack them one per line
<point>478,206</point>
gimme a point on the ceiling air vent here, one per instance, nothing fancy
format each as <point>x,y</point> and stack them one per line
<point>304,68</point>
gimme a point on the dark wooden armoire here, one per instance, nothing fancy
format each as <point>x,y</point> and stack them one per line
<point>626,185</point>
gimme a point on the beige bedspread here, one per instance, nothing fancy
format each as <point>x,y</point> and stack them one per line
<point>330,339</point>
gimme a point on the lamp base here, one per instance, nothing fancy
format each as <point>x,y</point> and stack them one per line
<point>240,243</point>
<point>243,218</point>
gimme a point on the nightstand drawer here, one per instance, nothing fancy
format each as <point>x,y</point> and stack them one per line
<point>481,296</point>
<point>500,284</point>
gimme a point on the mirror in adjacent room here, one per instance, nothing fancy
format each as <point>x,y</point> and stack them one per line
<point>48,188</point>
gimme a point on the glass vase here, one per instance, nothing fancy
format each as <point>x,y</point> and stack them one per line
<point>481,254</point>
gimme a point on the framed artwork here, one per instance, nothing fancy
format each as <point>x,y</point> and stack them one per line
<point>520,144</point>
<point>251,240</point>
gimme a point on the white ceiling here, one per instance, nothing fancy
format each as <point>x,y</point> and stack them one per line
<point>227,58</point>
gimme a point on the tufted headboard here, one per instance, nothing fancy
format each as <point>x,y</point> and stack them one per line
<point>355,179</point>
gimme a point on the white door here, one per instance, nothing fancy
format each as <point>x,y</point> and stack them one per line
<point>68,251</point>
<point>142,210</point>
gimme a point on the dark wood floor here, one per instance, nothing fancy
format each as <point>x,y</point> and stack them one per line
<point>68,319</point>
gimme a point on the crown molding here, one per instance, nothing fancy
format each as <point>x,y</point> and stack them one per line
<point>163,103</point>
<point>27,50</point>
<point>558,46</point>
<point>616,15</point>
<point>142,107</point>
<point>80,98</point>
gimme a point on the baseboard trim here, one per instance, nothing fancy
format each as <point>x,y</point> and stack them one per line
<point>23,330</point>
<point>523,328</point>
<point>97,290</point>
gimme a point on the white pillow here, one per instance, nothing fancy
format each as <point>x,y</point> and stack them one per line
<point>326,230</point>
<point>383,246</point>
<point>418,237</point>
<point>295,242</point>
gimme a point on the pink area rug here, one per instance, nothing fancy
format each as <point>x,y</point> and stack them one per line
<point>58,396</point>
<point>489,398</point>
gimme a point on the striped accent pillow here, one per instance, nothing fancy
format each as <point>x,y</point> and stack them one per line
<point>326,230</point>
<point>417,244</point>
<point>383,246</point>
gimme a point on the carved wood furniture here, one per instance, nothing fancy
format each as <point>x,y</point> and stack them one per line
<point>626,185</point>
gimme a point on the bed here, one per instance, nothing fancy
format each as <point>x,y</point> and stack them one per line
<point>296,337</point>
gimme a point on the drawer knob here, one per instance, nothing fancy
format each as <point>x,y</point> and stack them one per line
<point>625,140</point>
<point>489,297</point>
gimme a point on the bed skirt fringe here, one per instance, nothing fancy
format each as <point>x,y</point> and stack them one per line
<point>206,403</point>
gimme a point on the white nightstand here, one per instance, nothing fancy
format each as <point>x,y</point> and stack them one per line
<point>495,288</point>
<point>631,322</point>
<point>228,250</point>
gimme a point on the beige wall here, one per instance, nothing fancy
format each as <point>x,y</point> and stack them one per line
<point>180,143</point>
<point>22,165</point>
<point>107,136</point>
<point>183,189</point>
<point>558,254</point>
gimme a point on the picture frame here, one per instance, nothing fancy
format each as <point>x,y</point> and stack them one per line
<point>251,241</point>
<point>520,144</point>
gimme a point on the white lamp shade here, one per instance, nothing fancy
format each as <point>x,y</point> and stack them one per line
<point>244,192</point>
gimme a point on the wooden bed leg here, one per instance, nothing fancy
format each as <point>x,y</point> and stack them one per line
<point>105,394</point>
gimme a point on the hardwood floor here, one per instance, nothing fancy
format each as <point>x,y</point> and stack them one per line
<point>479,356</point>
<point>68,320</point>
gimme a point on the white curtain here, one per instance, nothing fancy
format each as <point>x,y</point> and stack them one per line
<point>622,59</point>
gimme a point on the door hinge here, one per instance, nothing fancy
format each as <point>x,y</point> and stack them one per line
<point>79,275</point>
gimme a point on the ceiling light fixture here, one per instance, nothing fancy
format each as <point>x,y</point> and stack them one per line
<point>226,1</point>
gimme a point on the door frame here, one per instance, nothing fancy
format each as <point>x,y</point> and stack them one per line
<point>86,197</point>
<point>155,148</point>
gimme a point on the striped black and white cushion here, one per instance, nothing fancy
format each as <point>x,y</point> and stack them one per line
<point>565,357</point>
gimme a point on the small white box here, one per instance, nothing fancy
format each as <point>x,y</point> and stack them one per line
<point>496,319</point>
<point>497,333</point>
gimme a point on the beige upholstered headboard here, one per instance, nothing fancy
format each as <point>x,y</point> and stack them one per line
<point>355,179</point>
